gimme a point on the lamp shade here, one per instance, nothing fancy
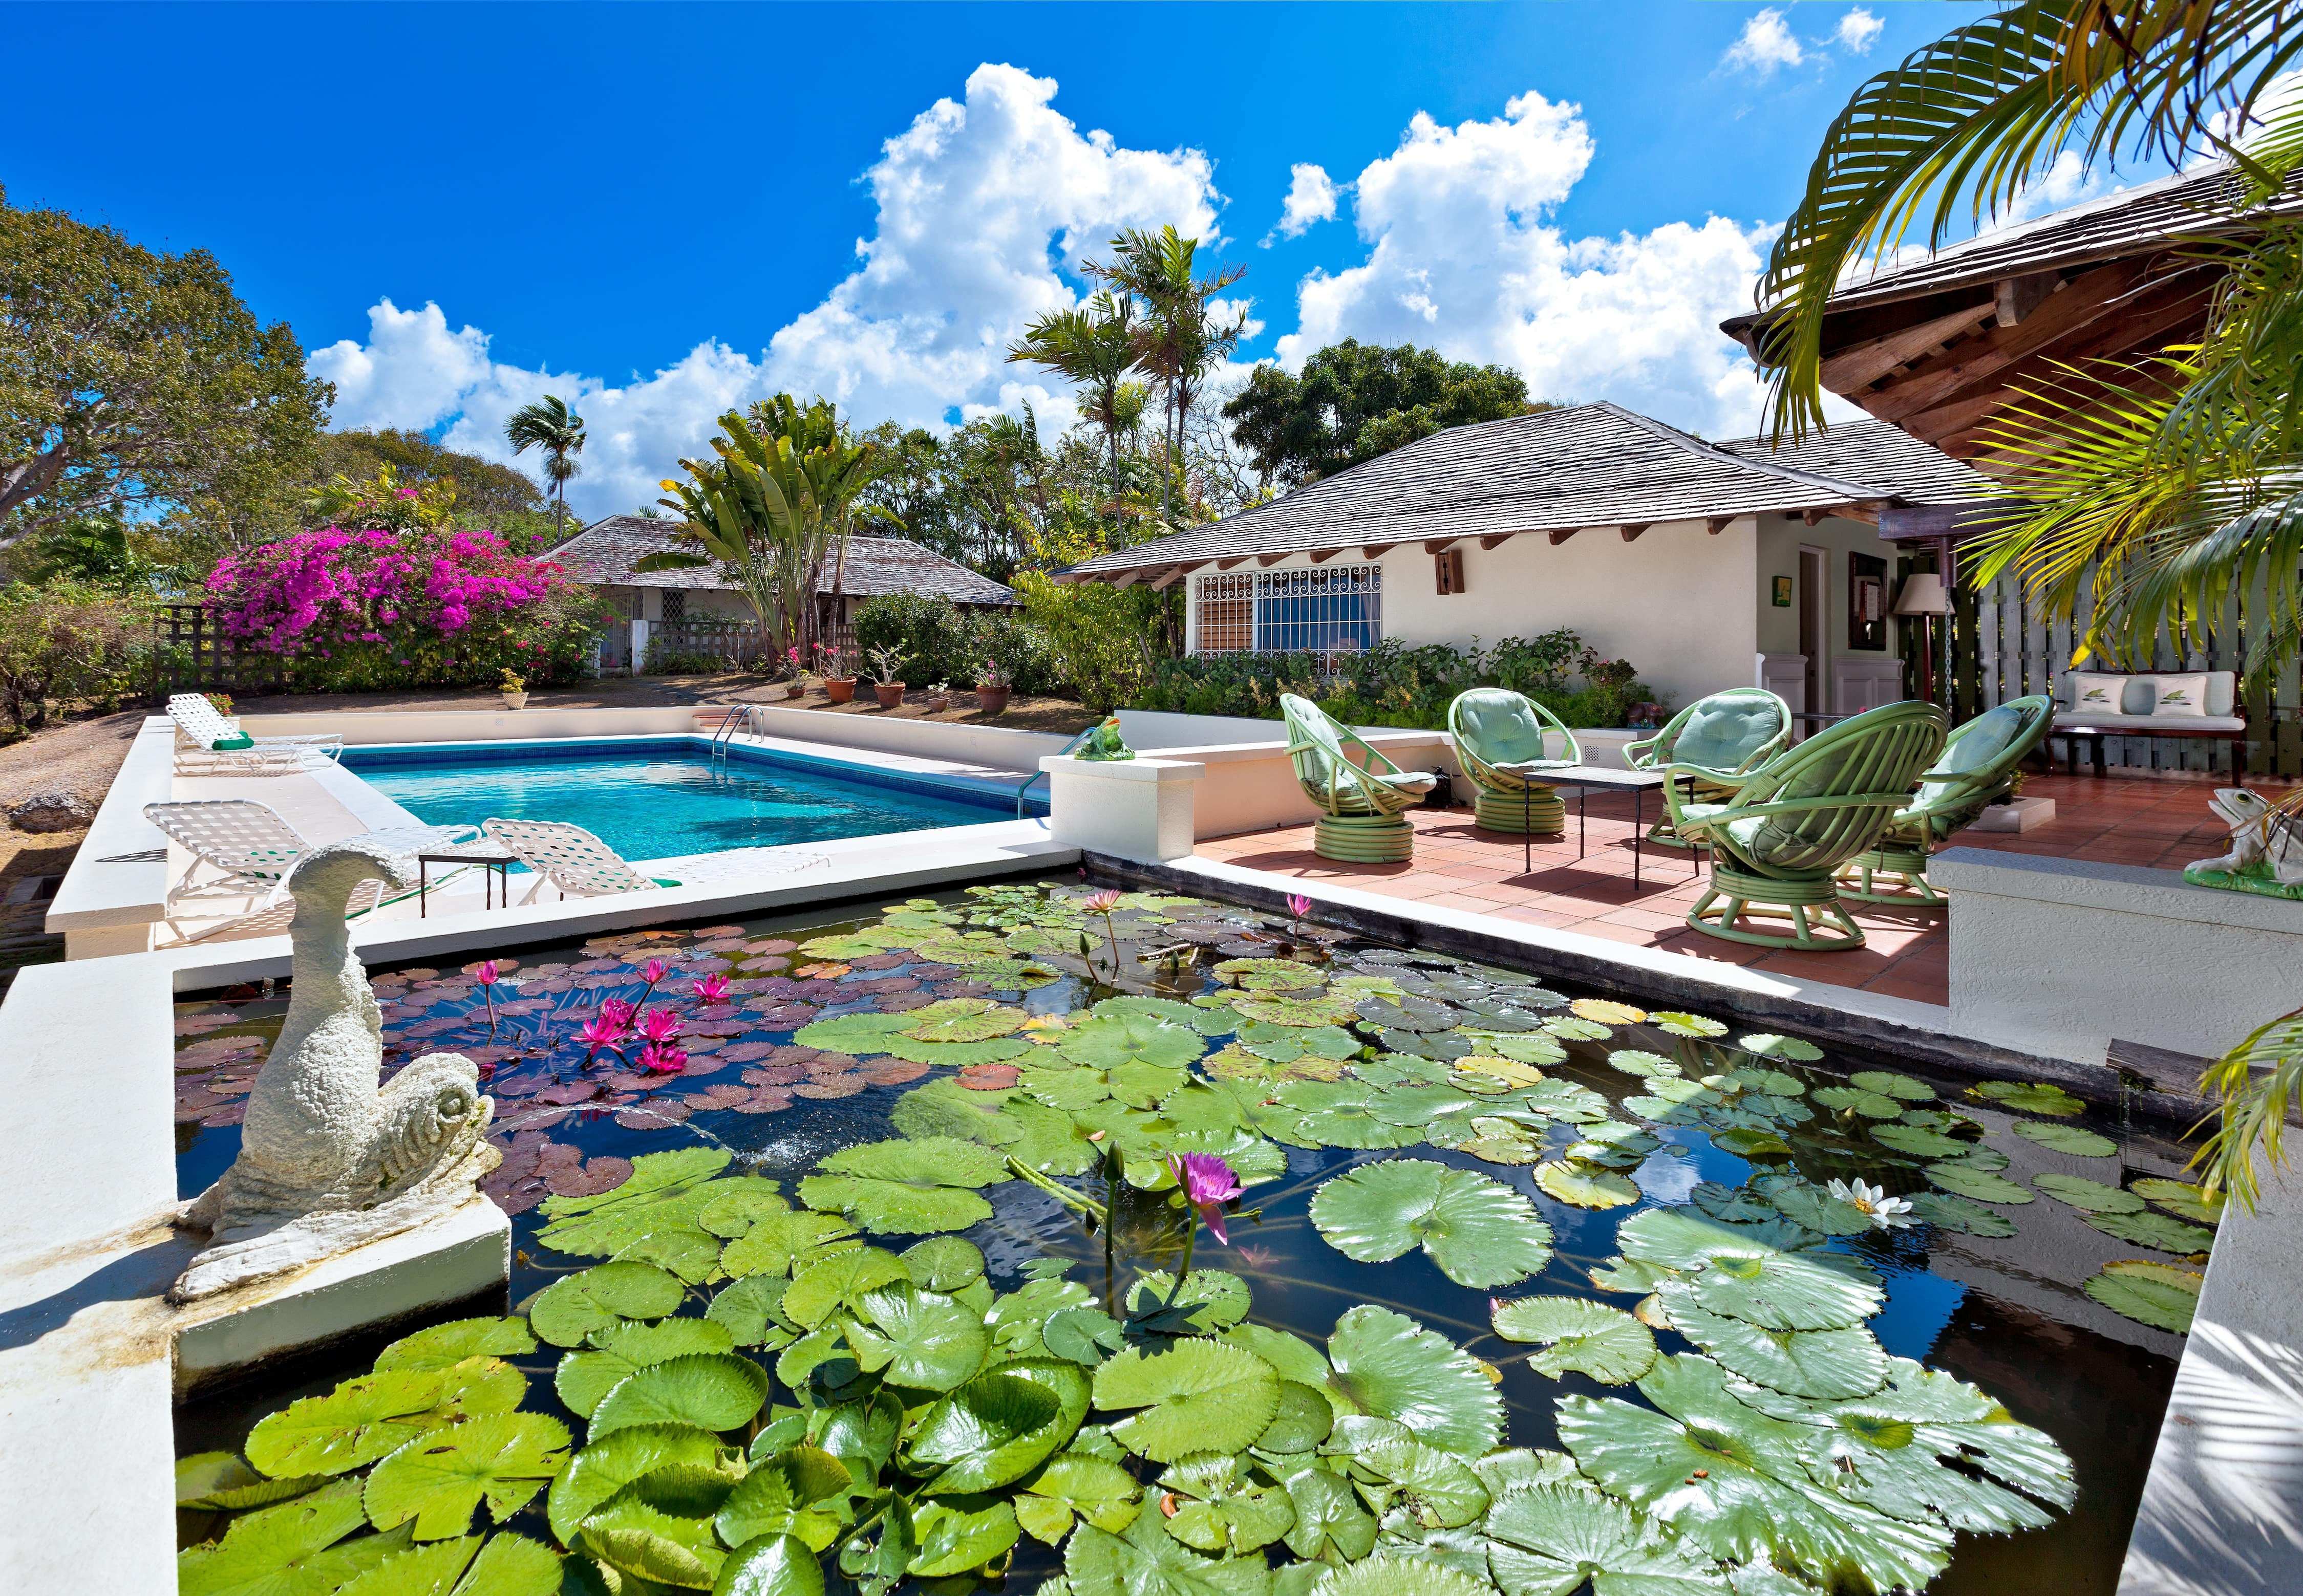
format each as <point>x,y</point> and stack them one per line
<point>1922,593</point>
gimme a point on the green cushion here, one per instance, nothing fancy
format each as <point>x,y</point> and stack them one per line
<point>1980,741</point>
<point>1722,733</point>
<point>232,743</point>
<point>1501,727</point>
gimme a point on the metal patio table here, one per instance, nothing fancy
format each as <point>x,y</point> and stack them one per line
<point>1584,778</point>
<point>495,871</point>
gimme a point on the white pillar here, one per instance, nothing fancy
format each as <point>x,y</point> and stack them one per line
<point>1137,808</point>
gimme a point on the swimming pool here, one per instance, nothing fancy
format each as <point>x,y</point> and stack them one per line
<point>659,797</point>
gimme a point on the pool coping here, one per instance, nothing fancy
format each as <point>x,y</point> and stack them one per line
<point>952,784</point>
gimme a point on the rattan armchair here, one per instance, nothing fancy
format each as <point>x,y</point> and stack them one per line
<point>1364,804</point>
<point>1976,768</point>
<point>1500,742</point>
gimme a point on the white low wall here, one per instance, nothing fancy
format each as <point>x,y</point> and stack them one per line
<point>365,727</point>
<point>2061,956</point>
<point>117,886</point>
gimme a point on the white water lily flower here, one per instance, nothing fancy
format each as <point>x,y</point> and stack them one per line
<point>1885,1212</point>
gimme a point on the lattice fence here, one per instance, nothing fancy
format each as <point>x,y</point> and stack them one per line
<point>195,656</point>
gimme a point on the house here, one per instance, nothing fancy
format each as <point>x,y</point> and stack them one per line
<point>1942,345</point>
<point>1705,565</point>
<point>708,612</point>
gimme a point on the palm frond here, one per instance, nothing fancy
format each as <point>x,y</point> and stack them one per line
<point>2254,1107</point>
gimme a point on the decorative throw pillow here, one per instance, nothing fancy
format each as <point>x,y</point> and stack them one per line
<point>2180,695</point>
<point>2093,694</point>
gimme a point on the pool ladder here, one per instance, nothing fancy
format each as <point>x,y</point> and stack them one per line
<point>736,717</point>
<point>1026,784</point>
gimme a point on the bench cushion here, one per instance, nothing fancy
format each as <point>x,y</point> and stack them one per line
<point>2136,695</point>
<point>2143,726</point>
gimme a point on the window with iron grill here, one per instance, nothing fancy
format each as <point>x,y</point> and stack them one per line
<point>675,607</point>
<point>1327,610</point>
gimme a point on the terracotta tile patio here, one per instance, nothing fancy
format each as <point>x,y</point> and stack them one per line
<point>2156,820</point>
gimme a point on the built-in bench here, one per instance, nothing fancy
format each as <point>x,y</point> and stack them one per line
<point>2224,721</point>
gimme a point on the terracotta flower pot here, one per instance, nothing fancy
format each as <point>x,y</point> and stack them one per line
<point>993,701</point>
<point>840,689</point>
<point>890,695</point>
<point>795,689</point>
<point>939,703</point>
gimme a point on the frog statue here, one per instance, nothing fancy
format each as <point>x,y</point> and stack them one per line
<point>1105,742</point>
<point>332,1156</point>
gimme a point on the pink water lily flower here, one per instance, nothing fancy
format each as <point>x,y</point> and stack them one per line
<point>711,988</point>
<point>485,972</point>
<point>661,1058</point>
<point>1298,904</point>
<point>655,972</point>
<point>659,1025</point>
<point>617,1012</point>
<point>600,1032</point>
<point>1207,1184</point>
<point>1101,903</point>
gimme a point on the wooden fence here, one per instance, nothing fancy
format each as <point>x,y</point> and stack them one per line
<point>2004,645</point>
<point>195,656</point>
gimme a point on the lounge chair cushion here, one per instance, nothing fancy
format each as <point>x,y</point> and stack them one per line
<point>1770,839</point>
<point>1983,741</point>
<point>1722,733</point>
<point>1503,730</point>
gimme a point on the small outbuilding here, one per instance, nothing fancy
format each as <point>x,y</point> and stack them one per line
<point>1705,565</point>
<point>700,610</point>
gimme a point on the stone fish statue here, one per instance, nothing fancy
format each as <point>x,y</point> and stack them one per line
<point>332,1157</point>
<point>2266,852</point>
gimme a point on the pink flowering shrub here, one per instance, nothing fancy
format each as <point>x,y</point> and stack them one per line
<point>418,606</point>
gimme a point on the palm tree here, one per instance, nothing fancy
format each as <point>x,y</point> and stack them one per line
<point>1183,339</point>
<point>2168,484</point>
<point>559,431</point>
<point>1094,347</point>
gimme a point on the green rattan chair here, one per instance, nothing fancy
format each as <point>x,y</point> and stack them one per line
<point>1363,818</point>
<point>1727,734</point>
<point>1778,844</point>
<point>1977,767</point>
<point>1500,740</point>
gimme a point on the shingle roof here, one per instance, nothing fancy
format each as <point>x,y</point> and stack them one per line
<point>2140,220</point>
<point>1582,466</point>
<point>1882,455</point>
<point>604,552</point>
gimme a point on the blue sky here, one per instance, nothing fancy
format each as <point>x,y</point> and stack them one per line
<point>661,205</point>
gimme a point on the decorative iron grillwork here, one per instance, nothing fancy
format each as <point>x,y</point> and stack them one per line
<point>1327,610</point>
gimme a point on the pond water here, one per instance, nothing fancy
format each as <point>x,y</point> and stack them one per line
<point>1617,1230</point>
<point>662,797</point>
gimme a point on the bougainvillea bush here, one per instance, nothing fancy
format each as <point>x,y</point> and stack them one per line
<point>400,607</point>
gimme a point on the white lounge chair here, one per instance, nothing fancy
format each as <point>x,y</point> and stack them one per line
<point>199,730</point>
<point>570,858</point>
<point>251,849</point>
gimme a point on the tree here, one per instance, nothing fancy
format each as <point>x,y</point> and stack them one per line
<point>134,382</point>
<point>1184,337</point>
<point>1354,401</point>
<point>1093,347</point>
<point>774,508</point>
<point>553,427</point>
<point>487,492</point>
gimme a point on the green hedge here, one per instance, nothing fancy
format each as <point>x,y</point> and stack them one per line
<point>942,642</point>
<point>1393,685</point>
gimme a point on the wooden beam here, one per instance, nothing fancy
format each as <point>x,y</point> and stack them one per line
<point>1812,516</point>
<point>1860,365</point>
<point>1632,531</point>
<point>1128,579</point>
<point>1497,540</point>
<point>1172,575</point>
<point>1562,534</point>
<point>2016,298</point>
<point>1273,559</point>
<point>1439,545</point>
<point>1226,565</point>
<point>1320,556</point>
<point>1716,524</point>
<point>1376,550</point>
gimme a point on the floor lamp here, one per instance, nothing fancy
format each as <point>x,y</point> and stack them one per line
<point>1922,599</point>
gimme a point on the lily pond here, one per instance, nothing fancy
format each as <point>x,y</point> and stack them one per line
<point>852,1257</point>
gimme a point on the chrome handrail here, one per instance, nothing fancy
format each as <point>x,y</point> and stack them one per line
<point>1035,775</point>
<point>727,730</point>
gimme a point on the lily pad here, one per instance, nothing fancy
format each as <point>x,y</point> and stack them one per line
<point>606,1466</point>
<point>1001,1424</point>
<point>663,1188</point>
<point>1398,1576</point>
<point>1851,1099</point>
<point>1108,1041</point>
<point>576,1305</point>
<point>1922,1143</point>
<point>2026,1097</point>
<point>935,1023</point>
<point>1607,1011</point>
<point>503,1459</point>
<point>838,1281</point>
<point>2181,1199</point>
<point>1282,1009</point>
<point>2089,1197</point>
<point>712,1390</point>
<point>770,1247</point>
<point>583,1377</point>
<point>1385,1364</point>
<point>1823,1363</point>
<point>1219,1508</point>
<point>1589,1338</point>
<point>1786,1291</point>
<point>1968,1182</point>
<point>373,1415</point>
<point>1548,1540</point>
<point>1680,1023</point>
<point>2155,1230</point>
<point>1479,1231</point>
<point>917,1338</point>
<point>1768,1044</point>
<point>443,1346</point>
<point>1073,1483</point>
<point>1585,1186</point>
<point>295,1548</point>
<point>859,1036</point>
<point>955,1055</point>
<point>2156,1294</point>
<point>1198,1396</point>
<point>1893,1085</point>
<point>906,1185</point>
<point>1960,1213</point>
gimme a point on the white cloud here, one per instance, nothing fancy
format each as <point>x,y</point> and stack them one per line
<point>980,202</point>
<point>1859,29</point>
<point>1765,43</point>
<point>1311,198</point>
<point>1462,260</point>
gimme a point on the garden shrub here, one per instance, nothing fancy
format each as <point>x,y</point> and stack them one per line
<point>1395,684</point>
<point>1102,635</point>
<point>400,607</point>
<point>665,657</point>
<point>942,642</point>
<point>69,643</point>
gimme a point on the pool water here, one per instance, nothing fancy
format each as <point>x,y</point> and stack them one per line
<point>1999,1294</point>
<point>659,798</point>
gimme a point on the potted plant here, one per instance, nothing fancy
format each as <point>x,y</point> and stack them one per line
<point>514,689</point>
<point>795,673</point>
<point>939,698</point>
<point>885,687</point>
<point>838,677</point>
<point>992,688</point>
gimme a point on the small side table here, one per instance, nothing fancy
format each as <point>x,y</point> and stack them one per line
<point>1584,778</point>
<point>494,862</point>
